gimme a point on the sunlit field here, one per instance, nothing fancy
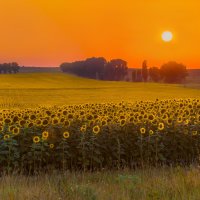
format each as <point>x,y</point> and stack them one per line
<point>65,137</point>
<point>30,90</point>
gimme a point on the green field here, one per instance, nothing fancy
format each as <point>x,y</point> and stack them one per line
<point>27,90</point>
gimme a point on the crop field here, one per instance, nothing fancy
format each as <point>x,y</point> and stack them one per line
<point>60,123</point>
<point>29,90</point>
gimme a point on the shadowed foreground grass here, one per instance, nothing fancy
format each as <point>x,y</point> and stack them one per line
<point>163,184</point>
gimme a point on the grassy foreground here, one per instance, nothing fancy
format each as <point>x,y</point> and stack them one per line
<point>29,90</point>
<point>151,184</point>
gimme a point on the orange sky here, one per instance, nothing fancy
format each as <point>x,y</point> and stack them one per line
<point>49,32</point>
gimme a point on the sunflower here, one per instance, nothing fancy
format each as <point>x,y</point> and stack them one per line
<point>6,137</point>
<point>67,123</point>
<point>36,139</point>
<point>122,122</point>
<point>151,132</point>
<point>45,135</point>
<point>7,120</point>
<point>55,121</point>
<point>104,123</point>
<point>66,134</point>
<point>180,119</point>
<point>51,146</point>
<point>30,124</point>
<point>83,128</point>
<point>186,122</point>
<point>22,122</point>
<point>15,130</point>
<point>194,132</point>
<point>161,126</point>
<point>142,130</point>
<point>96,129</point>
<point>11,128</point>
<point>45,122</point>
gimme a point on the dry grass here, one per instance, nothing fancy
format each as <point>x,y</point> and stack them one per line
<point>151,184</point>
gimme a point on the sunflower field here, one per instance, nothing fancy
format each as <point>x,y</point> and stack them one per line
<point>98,136</point>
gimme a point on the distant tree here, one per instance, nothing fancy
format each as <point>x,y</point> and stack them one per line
<point>134,75</point>
<point>154,74</point>
<point>144,71</point>
<point>9,68</point>
<point>119,69</point>
<point>172,72</point>
<point>15,67</point>
<point>97,68</point>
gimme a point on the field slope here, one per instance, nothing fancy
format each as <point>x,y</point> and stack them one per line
<point>32,89</point>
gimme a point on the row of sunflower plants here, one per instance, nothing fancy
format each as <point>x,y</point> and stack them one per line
<point>98,136</point>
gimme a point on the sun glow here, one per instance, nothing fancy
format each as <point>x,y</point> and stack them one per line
<point>167,36</point>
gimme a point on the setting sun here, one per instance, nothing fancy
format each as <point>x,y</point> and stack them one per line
<point>167,36</point>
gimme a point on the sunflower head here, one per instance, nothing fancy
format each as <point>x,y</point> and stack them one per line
<point>142,130</point>
<point>161,126</point>
<point>66,134</point>
<point>96,129</point>
<point>122,122</point>
<point>36,139</point>
<point>51,146</point>
<point>151,132</point>
<point>6,137</point>
<point>45,135</point>
<point>15,130</point>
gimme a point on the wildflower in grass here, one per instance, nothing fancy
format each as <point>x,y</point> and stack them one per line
<point>161,126</point>
<point>142,130</point>
<point>66,134</point>
<point>51,146</point>
<point>15,130</point>
<point>45,135</point>
<point>36,139</point>
<point>6,137</point>
<point>96,129</point>
<point>151,132</point>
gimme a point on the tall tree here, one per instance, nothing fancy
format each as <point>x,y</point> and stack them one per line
<point>144,71</point>
<point>173,72</point>
<point>154,74</point>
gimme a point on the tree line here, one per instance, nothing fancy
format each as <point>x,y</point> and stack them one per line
<point>9,68</point>
<point>171,72</point>
<point>117,70</point>
<point>98,68</point>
